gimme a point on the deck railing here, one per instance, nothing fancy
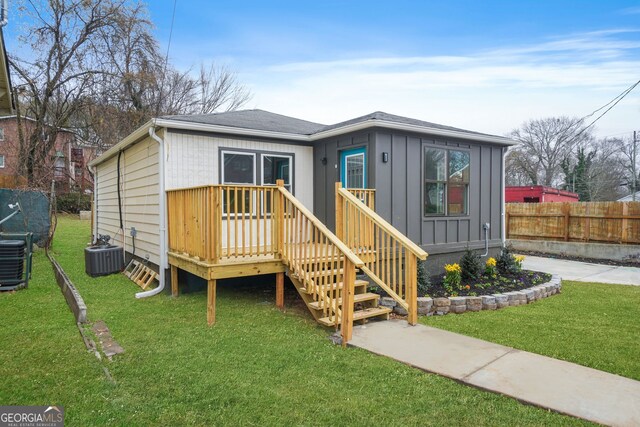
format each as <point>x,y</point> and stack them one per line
<point>365,195</point>
<point>390,258</point>
<point>221,221</point>
<point>321,261</point>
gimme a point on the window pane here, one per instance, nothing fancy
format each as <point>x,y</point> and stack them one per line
<point>458,166</point>
<point>275,168</point>
<point>434,164</point>
<point>355,171</point>
<point>433,198</point>
<point>238,168</point>
<point>458,199</point>
<point>1,161</point>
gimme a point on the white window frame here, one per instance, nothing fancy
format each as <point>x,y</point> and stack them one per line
<point>1,134</point>
<point>282,156</point>
<point>241,153</point>
<point>364,167</point>
<point>2,165</point>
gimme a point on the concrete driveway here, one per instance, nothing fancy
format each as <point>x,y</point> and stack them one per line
<point>584,271</point>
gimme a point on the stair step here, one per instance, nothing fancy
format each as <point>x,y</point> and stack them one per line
<point>357,284</point>
<point>356,298</point>
<point>366,313</point>
<point>360,315</point>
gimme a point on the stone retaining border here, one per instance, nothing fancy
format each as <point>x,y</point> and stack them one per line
<point>71,294</point>
<point>428,306</point>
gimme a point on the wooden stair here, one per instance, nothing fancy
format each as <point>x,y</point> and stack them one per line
<point>365,303</point>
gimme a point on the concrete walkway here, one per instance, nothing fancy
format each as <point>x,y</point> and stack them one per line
<point>542,381</point>
<point>584,271</point>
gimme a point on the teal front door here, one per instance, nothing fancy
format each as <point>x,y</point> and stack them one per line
<point>353,168</point>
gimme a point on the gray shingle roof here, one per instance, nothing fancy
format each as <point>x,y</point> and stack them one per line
<point>382,116</point>
<point>253,119</point>
<point>267,121</point>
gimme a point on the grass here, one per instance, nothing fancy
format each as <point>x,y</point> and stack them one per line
<point>591,324</point>
<point>256,366</point>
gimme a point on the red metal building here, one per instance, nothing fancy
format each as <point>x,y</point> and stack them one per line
<point>538,194</point>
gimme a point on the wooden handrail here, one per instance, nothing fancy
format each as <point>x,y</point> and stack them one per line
<point>391,230</point>
<point>348,253</point>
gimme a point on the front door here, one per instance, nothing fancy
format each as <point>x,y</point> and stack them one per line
<point>353,168</point>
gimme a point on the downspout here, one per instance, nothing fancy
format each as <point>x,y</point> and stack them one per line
<point>504,206</point>
<point>163,216</point>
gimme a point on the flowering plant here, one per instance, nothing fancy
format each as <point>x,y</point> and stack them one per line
<point>518,259</point>
<point>452,278</point>
<point>490,267</point>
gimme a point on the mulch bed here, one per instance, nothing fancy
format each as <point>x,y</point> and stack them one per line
<point>488,286</point>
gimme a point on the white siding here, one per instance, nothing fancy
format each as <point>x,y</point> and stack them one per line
<point>139,190</point>
<point>193,160</point>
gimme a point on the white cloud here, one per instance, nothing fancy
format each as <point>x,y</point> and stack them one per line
<point>491,91</point>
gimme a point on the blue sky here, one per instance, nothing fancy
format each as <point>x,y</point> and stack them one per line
<point>482,65</point>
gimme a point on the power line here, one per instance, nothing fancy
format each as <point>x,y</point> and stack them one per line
<point>166,58</point>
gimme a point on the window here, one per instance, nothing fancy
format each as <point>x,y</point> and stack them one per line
<point>275,167</point>
<point>446,182</point>
<point>237,168</point>
<point>1,161</point>
<point>1,134</point>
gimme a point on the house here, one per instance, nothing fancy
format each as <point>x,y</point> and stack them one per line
<point>538,194</point>
<point>67,163</point>
<point>436,188</point>
<point>630,197</point>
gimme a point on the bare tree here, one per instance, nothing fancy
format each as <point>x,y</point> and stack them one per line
<point>629,149</point>
<point>59,70</point>
<point>544,144</point>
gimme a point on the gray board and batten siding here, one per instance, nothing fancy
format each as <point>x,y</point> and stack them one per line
<point>399,187</point>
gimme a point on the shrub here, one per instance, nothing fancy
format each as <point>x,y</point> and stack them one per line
<point>452,278</point>
<point>506,262</point>
<point>73,202</point>
<point>471,266</point>
<point>424,281</point>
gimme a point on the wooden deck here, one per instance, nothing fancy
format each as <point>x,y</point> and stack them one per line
<point>220,232</point>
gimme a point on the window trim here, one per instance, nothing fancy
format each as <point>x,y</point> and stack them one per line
<point>282,156</point>
<point>4,161</point>
<point>446,214</point>
<point>241,153</point>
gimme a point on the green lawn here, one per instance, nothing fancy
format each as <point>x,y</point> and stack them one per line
<point>591,324</point>
<point>256,366</point>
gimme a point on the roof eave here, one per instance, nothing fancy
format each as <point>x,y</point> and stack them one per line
<point>413,128</point>
<point>178,124</point>
<point>130,139</point>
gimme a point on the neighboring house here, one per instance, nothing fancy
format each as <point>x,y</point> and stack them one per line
<point>437,184</point>
<point>630,198</point>
<point>67,162</point>
<point>6,95</point>
<point>538,194</point>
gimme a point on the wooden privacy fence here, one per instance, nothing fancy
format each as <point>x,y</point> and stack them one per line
<point>604,222</point>
<point>12,181</point>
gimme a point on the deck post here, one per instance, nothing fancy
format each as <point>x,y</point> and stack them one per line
<point>278,213</point>
<point>211,301</point>
<point>339,213</point>
<point>174,281</point>
<point>412,287</point>
<point>349,278</point>
<point>280,290</point>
